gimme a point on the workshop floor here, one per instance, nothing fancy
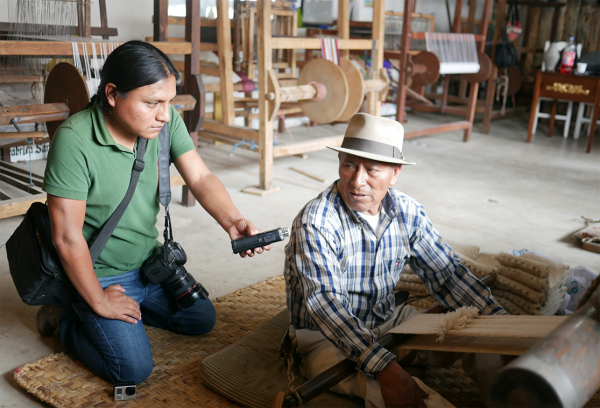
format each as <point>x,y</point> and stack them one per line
<point>496,192</point>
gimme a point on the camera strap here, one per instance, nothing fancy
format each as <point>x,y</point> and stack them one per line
<point>110,224</point>
<point>164,177</point>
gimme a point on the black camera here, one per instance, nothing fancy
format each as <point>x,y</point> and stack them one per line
<point>167,267</point>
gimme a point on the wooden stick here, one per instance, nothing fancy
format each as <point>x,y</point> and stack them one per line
<point>307,174</point>
<point>23,135</point>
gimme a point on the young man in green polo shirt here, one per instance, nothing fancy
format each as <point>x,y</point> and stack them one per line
<point>88,172</point>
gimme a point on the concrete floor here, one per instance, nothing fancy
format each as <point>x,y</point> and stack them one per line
<point>496,192</point>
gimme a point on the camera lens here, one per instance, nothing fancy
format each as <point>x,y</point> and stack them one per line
<point>185,289</point>
<point>130,391</point>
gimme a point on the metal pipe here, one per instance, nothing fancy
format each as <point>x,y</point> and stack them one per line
<point>561,370</point>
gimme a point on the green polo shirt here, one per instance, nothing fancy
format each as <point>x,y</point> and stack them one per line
<point>85,163</point>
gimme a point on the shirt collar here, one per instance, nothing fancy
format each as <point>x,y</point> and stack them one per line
<point>101,132</point>
<point>388,204</point>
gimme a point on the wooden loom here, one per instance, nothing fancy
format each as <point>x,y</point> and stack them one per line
<point>268,82</point>
<point>424,69</point>
<point>66,92</point>
<point>16,74</point>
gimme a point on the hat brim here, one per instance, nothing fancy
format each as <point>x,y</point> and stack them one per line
<point>371,156</point>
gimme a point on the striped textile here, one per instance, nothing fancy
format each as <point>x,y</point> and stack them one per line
<point>340,277</point>
<point>329,50</point>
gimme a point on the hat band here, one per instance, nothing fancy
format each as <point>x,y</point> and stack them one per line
<point>371,146</point>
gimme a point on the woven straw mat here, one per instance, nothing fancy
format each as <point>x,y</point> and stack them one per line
<point>175,381</point>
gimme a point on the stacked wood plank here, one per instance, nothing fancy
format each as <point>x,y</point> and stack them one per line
<point>525,285</point>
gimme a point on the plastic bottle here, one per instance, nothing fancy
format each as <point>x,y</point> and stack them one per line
<point>568,57</point>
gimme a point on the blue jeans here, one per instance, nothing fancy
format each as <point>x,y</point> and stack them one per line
<point>119,351</point>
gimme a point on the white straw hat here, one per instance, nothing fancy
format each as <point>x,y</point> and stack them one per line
<point>374,138</point>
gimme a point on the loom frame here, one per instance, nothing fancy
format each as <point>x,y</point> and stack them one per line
<point>401,102</point>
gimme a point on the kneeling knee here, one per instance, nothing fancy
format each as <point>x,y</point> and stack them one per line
<point>136,370</point>
<point>204,321</point>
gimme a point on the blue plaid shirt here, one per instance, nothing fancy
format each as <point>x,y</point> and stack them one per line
<point>340,277</point>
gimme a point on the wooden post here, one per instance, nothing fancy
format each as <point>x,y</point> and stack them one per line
<point>236,35</point>
<point>534,101</point>
<point>378,32</point>
<point>192,68</point>
<point>161,20</point>
<point>80,20</point>
<point>406,33</point>
<point>225,64</point>
<point>490,92</point>
<point>462,91</point>
<point>474,88</point>
<point>265,132</point>
<point>530,38</point>
<point>87,29</point>
<point>251,32</point>
<point>103,17</point>
<point>343,24</point>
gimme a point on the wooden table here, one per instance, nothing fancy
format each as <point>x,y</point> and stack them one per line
<point>576,88</point>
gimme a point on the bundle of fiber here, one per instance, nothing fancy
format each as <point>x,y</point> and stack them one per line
<point>529,284</point>
<point>525,285</point>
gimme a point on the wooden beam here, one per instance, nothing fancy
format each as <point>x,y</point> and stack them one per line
<point>103,17</point>
<point>16,175</point>
<point>14,168</point>
<point>487,345</point>
<point>211,70</point>
<point>161,26</point>
<point>180,21</point>
<point>33,113</point>
<point>87,32</point>
<point>21,185</point>
<point>301,43</point>
<point>23,135</point>
<point>343,24</point>
<point>308,146</point>
<point>6,28</point>
<point>239,132</point>
<point>184,102</point>
<point>63,48</point>
<point>13,79</point>
<point>19,206</point>
<point>191,78</point>
<point>377,34</point>
<point>448,127</point>
<point>225,61</point>
<point>265,44</point>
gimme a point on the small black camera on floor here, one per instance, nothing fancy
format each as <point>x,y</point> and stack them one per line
<point>124,391</point>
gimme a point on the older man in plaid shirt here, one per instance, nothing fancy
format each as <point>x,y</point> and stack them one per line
<point>347,250</point>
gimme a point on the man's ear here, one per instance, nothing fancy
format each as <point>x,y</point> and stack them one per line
<point>111,94</point>
<point>395,174</point>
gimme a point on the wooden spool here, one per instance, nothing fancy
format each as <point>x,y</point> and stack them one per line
<point>425,68</point>
<point>332,77</point>
<point>65,84</point>
<point>326,92</point>
<point>485,70</point>
<point>358,88</point>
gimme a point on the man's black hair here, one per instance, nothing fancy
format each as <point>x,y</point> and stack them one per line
<point>131,66</point>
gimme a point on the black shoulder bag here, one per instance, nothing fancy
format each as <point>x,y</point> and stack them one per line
<point>33,261</point>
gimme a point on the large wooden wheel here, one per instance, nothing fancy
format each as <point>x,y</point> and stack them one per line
<point>65,84</point>
<point>332,77</point>
<point>356,84</point>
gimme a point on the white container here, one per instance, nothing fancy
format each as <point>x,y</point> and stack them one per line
<point>552,55</point>
<point>581,67</point>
